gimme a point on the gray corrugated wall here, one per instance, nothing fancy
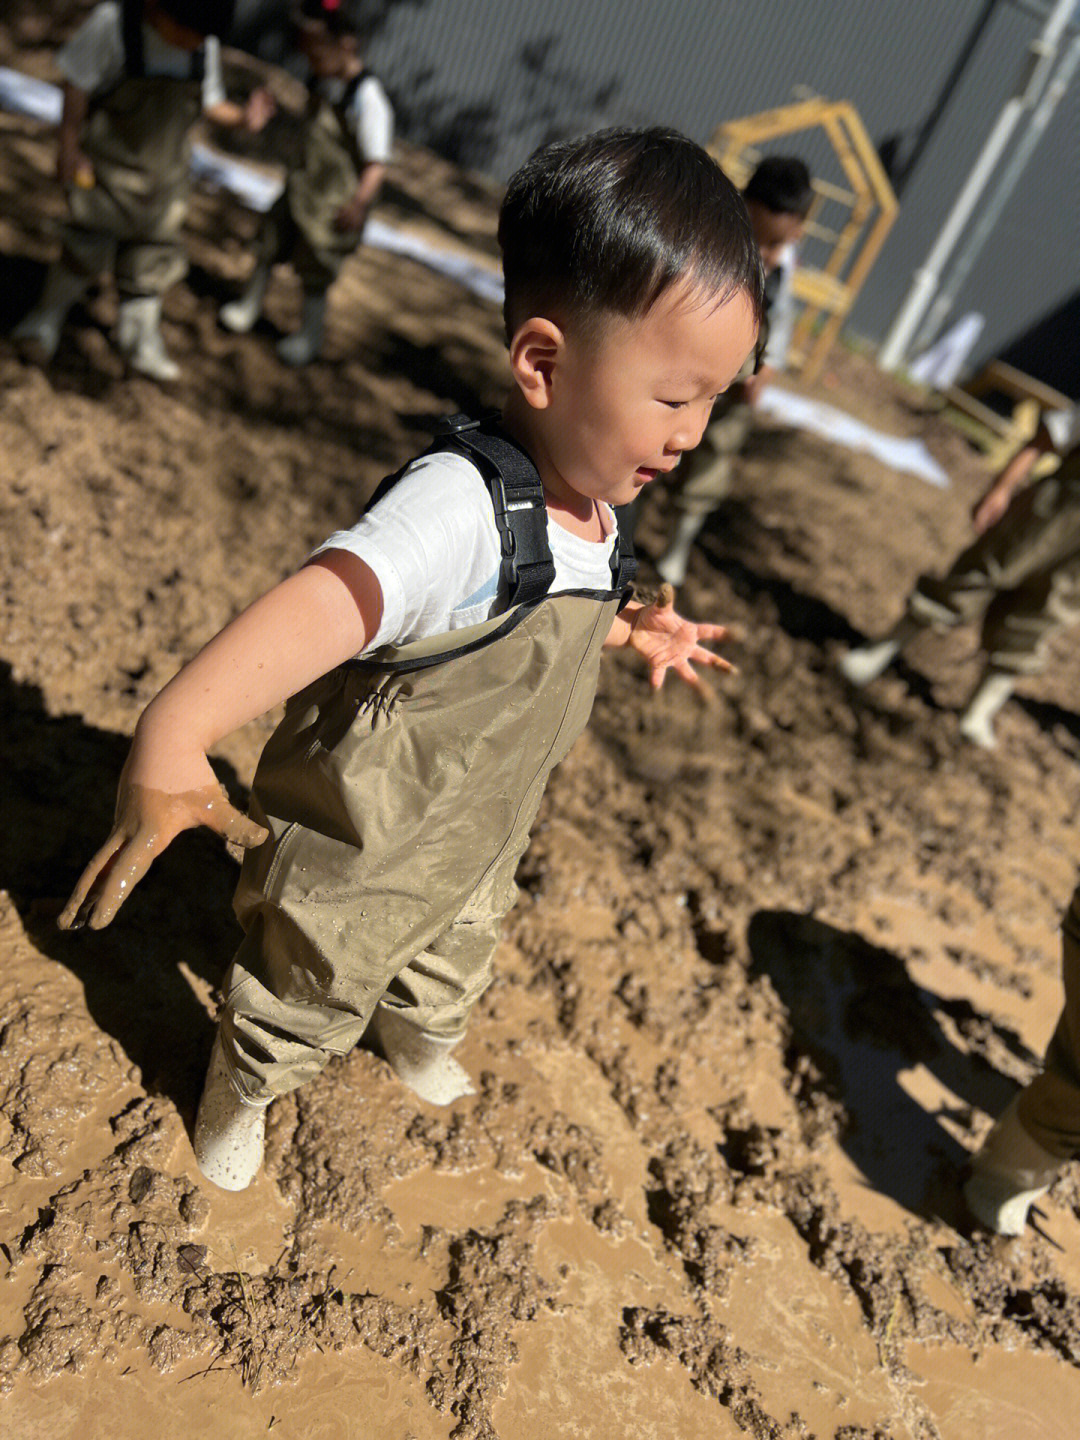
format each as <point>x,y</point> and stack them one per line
<point>487,80</point>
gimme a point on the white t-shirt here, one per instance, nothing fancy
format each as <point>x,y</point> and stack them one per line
<point>1063,427</point>
<point>93,59</point>
<point>369,112</point>
<point>434,547</point>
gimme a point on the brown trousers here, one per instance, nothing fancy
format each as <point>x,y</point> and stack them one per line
<point>399,805</point>
<point>1049,1109</point>
<point>1021,577</point>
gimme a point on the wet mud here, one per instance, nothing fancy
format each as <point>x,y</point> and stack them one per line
<point>778,960</point>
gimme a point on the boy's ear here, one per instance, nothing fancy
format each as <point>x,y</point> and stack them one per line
<point>535,349</point>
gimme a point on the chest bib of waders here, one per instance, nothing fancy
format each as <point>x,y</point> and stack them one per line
<point>399,791</point>
<point>138,133</point>
<point>326,172</point>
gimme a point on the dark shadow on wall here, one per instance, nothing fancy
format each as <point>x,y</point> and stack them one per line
<point>60,785</point>
<point>855,1011</point>
<point>1048,351</point>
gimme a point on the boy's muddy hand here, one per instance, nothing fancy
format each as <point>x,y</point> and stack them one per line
<point>670,642</point>
<point>146,821</point>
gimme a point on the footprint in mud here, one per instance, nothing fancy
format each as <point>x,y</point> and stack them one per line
<point>856,1012</point>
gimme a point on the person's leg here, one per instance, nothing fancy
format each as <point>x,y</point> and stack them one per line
<point>317,270</point>
<point>38,333</point>
<point>702,482</point>
<point>1039,1132</point>
<point>276,235</point>
<point>145,269</point>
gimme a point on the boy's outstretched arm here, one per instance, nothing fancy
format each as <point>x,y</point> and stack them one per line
<point>300,630</point>
<point>665,640</point>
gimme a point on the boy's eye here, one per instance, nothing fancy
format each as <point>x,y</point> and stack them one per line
<point>675,404</point>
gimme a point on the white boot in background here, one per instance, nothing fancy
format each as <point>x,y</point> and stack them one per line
<point>421,1061</point>
<point>138,334</point>
<point>39,332</point>
<point>305,345</point>
<point>976,723</point>
<point>229,1130</point>
<point>239,315</point>
<point>867,662</point>
<point>1009,1173</point>
<point>671,566</point>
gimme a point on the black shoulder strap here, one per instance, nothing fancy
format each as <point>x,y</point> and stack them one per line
<point>131,20</point>
<point>517,496</point>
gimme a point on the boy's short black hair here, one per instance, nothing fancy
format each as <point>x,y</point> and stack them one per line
<point>607,222</point>
<point>338,17</point>
<point>204,17</point>
<point>781,183</point>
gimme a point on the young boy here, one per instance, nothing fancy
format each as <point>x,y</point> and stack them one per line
<point>1021,576</point>
<point>1039,1132</point>
<point>778,196</point>
<point>137,75</point>
<point>393,803</point>
<point>336,167</point>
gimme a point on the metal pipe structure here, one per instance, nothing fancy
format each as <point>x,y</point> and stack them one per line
<point>1038,61</point>
<point>991,212</point>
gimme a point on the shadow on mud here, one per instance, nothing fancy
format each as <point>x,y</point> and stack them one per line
<point>857,1014</point>
<point>60,782</point>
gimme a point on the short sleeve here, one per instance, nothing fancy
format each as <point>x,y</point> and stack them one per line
<point>93,59</point>
<point>1063,427</point>
<point>374,119</point>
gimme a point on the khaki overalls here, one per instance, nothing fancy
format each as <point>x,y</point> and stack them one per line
<point>1049,1109</point>
<point>138,140</point>
<point>399,804</point>
<point>1022,575</point>
<point>324,165</point>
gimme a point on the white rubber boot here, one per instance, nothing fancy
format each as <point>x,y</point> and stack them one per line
<point>866,663</point>
<point>671,566</point>
<point>229,1130</point>
<point>39,332</point>
<point>305,345</point>
<point>1008,1175</point>
<point>421,1061</point>
<point>239,315</point>
<point>138,334</point>
<point>976,723</point>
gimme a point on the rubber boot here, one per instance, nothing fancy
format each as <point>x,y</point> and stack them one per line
<point>1009,1173</point>
<point>671,566</point>
<point>38,334</point>
<point>421,1061</point>
<point>239,315</point>
<point>138,334</point>
<point>976,723</point>
<point>304,346</point>
<point>867,662</point>
<point>229,1130</point>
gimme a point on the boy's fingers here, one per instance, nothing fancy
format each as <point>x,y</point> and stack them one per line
<point>665,596</point>
<point>72,917</point>
<point>240,828</point>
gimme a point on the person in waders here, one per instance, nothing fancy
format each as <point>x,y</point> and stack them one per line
<point>336,156</point>
<point>136,77</point>
<point>442,655</point>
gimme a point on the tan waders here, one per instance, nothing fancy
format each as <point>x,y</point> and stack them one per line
<point>399,804</point>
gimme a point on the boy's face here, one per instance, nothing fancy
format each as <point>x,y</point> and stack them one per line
<point>629,396</point>
<point>329,55</point>
<point>774,231</point>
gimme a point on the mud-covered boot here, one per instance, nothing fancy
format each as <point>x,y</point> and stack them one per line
<point>306,344</point>
<point>229,1130</point>
<point>1009,1173</point>
<point>138,334</point>
<point>420,1060</point>
<point>671,566</point>
<point>239,315</point>
<point>37,335</point>
<point>977,721</point>
<point>867,662</point>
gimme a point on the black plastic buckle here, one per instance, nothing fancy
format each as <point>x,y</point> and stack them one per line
<point>458,424</point>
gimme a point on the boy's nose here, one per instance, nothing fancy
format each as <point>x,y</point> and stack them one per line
<point>690,431</point>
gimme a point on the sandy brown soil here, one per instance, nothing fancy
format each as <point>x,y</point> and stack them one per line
<point>777,961</point>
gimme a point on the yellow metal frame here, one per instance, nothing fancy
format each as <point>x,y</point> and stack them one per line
<point>828,293</point>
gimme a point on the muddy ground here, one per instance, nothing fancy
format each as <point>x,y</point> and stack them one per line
<point>777,962</point>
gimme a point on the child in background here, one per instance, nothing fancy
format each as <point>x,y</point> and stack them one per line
<point>1039,1131</point>
<point>778,197</point>
<point>137,75</point>
<point>393,803</point>
<point>1021,577</point>
<point>335,169</point>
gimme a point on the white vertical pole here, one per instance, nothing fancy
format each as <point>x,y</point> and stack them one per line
<point>1039,58</point>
